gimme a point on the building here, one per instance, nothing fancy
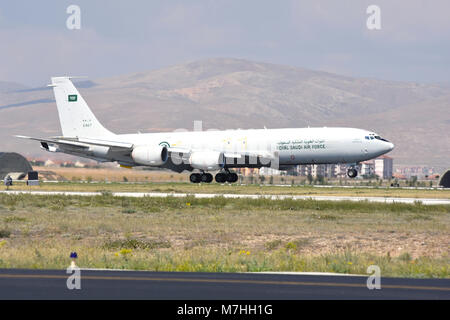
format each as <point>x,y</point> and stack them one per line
<point>247,171</point>
<point>418,171</point>
<point>445,180</point>
<point>270,171</point>
<point>79,164</point>
<point>304,170</point>
<point>399,176</point>
<point>384,167</point>
<point>14,165</point>
<point>367,168</point>
<point>49,163</point>
<point>340,170</point>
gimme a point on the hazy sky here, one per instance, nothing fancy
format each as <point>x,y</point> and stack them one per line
<point>119,37</point>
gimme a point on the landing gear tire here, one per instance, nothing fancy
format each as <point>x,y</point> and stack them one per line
<point>195,177</point>
<point>352,173</point>
<point>221,177</point>
<point>232,177</point>
<point>201,177</point>
<point>207,177</point>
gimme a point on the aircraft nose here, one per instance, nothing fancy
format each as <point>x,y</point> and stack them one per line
<point>390,146</point>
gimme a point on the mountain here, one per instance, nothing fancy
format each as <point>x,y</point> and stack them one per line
<point>235,93</point>
<point>6,86</point>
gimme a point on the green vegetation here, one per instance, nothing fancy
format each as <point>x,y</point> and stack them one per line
<point>223,235</point>
<point>136,244</point>
<point>4,233</point>
<point>190,188</point>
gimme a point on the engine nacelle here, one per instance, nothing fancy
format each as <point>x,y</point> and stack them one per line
<point>207,160</point>
<point>98,151</point>
<point>150,155</point>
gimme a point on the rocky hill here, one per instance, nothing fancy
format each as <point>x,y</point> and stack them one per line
<point>235,93</point>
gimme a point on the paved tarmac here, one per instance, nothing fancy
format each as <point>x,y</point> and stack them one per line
<point>105,284</point>
<point>424,201</point>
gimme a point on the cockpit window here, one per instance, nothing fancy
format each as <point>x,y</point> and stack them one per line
<point>372,136</point>
<point>380,138</point>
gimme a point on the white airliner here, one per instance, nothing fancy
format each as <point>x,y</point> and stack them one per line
<point>205,151</point>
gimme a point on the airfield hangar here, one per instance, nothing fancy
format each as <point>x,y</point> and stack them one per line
<point>13,164</point>
<point>445,180</point>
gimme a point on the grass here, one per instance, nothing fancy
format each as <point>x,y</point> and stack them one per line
<point>224,235</point>
<point>189,188</point>
<point>4,233</point>
<point>135,244</point>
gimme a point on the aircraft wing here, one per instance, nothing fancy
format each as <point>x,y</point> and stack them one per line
<point>55,144</point>
<point>231,157</point>
<point>107,150</point>
<point>235,155</point>
<point>264,155</point>
<point>185,151</point>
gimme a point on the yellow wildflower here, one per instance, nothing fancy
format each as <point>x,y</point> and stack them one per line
<point>125,251</point>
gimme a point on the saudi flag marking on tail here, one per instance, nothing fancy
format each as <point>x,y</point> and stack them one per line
<point>72,97</point>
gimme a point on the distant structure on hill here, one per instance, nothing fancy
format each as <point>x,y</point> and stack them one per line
<point>13,164</point>
<point>384,167</point>
<point>381,167</point>
<point>421,172</point>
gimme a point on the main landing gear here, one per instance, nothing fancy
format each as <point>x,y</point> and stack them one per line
<point>221,177</point>
<point>201,177</point>
<point>230,177</point>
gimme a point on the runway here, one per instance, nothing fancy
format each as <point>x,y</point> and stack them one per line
<point>424,201</point>
<point>102,284</point>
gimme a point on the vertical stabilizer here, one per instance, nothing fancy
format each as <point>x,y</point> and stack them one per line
<point>75,117</point>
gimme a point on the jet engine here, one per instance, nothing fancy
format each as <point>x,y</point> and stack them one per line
<point>150,155</point>
<point>207,160</point>
<point>98,151</point>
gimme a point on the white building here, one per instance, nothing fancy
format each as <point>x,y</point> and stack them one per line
<point>367,168</point>
<point>324,170</point>
<point>269,171</point>
<point>49,163</point>
<point>384,167</point>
